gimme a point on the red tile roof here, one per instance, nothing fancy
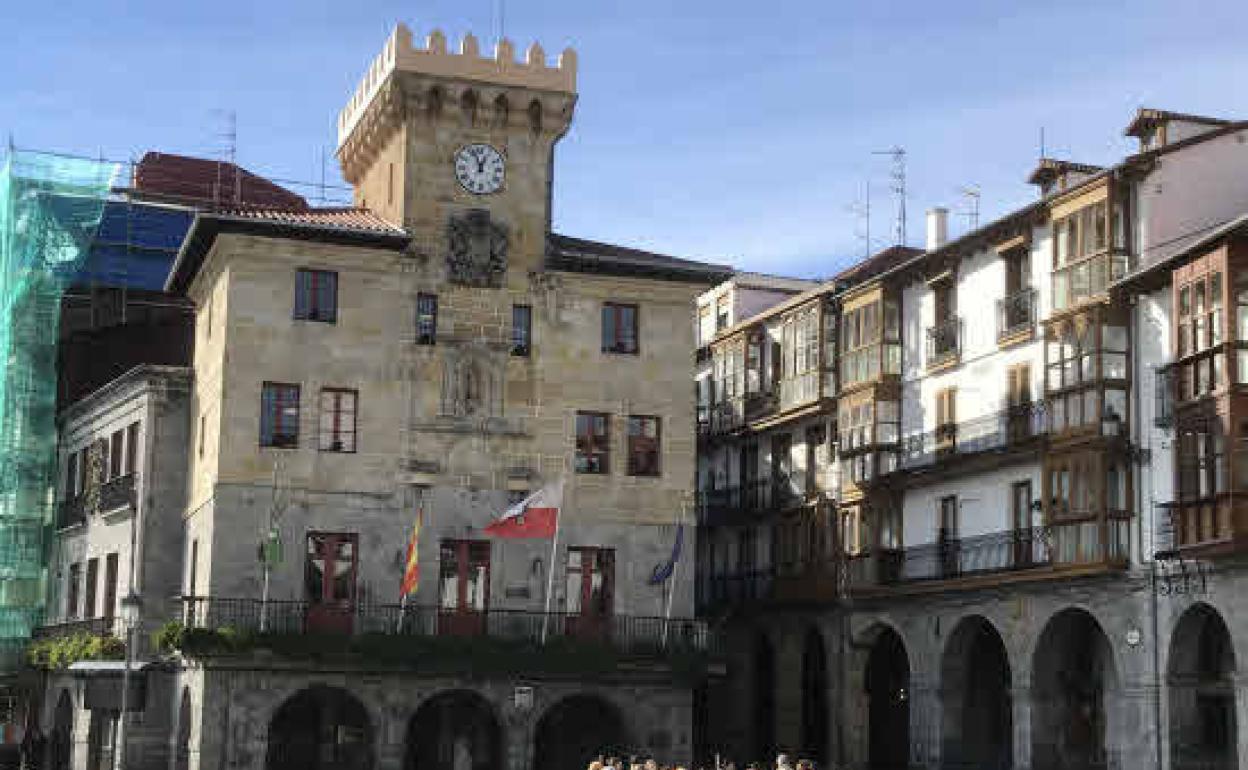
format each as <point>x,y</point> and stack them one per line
<point>201,180</point>
<point>338,218</point>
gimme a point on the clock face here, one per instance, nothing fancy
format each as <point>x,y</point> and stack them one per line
<point>479,168</point>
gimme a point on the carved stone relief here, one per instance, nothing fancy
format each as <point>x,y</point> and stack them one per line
<point>477,249</point>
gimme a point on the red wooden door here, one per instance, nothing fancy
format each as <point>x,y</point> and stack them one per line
<point>463,587</point>
<point>590,591</point>
<point>330,571</point>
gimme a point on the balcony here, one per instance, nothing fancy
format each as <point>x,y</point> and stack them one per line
<point>1013,427</point>
<point>944,343</point>
<point>734,589</point>
<point>70,513</point>
<point>627,634</point>
<point>1016,316</point>
<point>1087,279</point>
<point>1077,542</point>
<point>799,390</point>
<point>759,404</point>
<point>68,628</point>
<point>743,501</point>
<point>117,493</point>
<point>721,418</point>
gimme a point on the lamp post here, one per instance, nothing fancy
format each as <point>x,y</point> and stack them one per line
<point>131,613</point>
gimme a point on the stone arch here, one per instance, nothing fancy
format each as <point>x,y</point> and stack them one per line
<point>502,110</point>
<point>1074,684</point>
<point>182,738</point>
<point>61,741</point>
<point>535,116</point>
<point>433,103</point>
<point>976,707</point>
<point>320,728</point>
<point>815,710</point>
<point>454,730</point>
<point>576,729</point>
<point>469,103</point>
<point>886,687</point>
<point>1200,686</point>
<point>763,695</point>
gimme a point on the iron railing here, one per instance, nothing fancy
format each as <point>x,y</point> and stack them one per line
<point>735,588</point>
<point>761,403</point>
<point>71,512</point>
<point>117,493</point>
<point>1013,426</point>
<point>716,506</point>
<point>1016,313</point>
<point>944,341</point>
<point>1083,540</point>
<point>89,626</point>
<point>631,634</point>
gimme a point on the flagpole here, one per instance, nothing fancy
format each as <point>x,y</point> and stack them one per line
<point>550,568</point>
<point>671,591</point>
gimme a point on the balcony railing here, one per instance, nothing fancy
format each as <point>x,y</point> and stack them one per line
<point>1010,427</point>
<point>630,634</point>
<point>944,342</point>
<point>1064,543</point>
<point>71,512</point>
<point>1087,279</point>
<point>90,626</point>
<point>760,404</point>
<point>718,506</point>
<point>721,417</point>
<point>735,588</point>
<point>117,493</point>
<point>1016,313</point>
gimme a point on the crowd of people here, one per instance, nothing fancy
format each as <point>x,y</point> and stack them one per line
<point>783,762</point>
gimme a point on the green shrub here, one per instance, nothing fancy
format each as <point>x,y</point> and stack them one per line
<point>63,651</point>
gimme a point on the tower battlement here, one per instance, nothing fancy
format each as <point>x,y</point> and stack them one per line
<point>401,55</point>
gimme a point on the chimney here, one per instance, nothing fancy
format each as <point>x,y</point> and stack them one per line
<point>937,227</point>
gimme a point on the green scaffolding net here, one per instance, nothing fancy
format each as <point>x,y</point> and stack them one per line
<point>50,210</point>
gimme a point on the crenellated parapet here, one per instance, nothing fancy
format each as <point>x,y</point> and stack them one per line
<point>453,75</point>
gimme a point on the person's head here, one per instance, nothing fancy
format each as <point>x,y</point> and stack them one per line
<point>651,764</point>
<point>805,764</point>
<point>595,765</point>
<point>782,760</point>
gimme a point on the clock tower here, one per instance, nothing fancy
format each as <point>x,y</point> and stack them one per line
<point>457,148</point>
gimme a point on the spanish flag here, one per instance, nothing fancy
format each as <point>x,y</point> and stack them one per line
<point>411,567</point>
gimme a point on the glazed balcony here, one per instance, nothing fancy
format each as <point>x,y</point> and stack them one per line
<point>944,343</point>
<point>1016,316</point>
<point>720,418</point>
<point>631,635</point>
<point>760,404</point>
<point>1014,427</point>
<point>117,493</point>
<point>744,501</point>
<point>1080,542</point>
<point>70,513</point>
<point>1087,279</point>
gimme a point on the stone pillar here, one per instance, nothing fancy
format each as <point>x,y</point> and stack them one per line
<point>788,695</point>
<point>518,739</point>
<point>82,729</point>
<point>1020,699</point>
<point>924,721</point>
<point>1129,731</point>
<point>1241,715</point>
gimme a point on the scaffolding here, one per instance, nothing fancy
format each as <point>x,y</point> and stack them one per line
<point>50,211</point>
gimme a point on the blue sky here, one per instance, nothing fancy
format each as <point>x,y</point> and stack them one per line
<point>735,131</point>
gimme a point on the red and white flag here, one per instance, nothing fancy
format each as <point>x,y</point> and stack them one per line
<point>535,516</point>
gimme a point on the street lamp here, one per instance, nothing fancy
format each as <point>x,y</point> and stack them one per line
<point>131,614</point>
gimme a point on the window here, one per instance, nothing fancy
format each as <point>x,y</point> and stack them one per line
<point>592,445</point>
<point>643,446</point>
<point>426,319</point>
<point>71,477</point>
<point>203,430</point>
<point>191,578</point>
<point>132,447</point>
<point>619,328</point>
<point>279,415</point>
<point>115,454</point>
<point>870,342</point>
<point>338,419</point>
<point>93,576</point>
<point>947,525</point>
<point>1199,337</point>
<point>946,418</point>
<point>316,295</point>
<point>721,312</point>
<point>109,609</point>
<point>75,585</point>
<point>521,330</point>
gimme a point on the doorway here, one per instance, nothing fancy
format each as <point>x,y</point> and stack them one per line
<point>463,587</point>
<point>590,590</point>
<point>330,572</point>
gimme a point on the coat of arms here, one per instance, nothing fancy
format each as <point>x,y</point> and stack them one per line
<point>478,250</point>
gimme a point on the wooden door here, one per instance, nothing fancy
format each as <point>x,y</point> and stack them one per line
<point>463,587</point>
<point>330,570</point>
<point>1023,536</point>
<point>590,592</point>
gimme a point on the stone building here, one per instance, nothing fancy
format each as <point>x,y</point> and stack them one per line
<point>975,505</point>
<point>434,354</point>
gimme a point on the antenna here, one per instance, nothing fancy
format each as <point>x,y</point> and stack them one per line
<point>861,211</point>
<point>1042,143</point>
<point>897,184</point>
<point>971,196</point>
